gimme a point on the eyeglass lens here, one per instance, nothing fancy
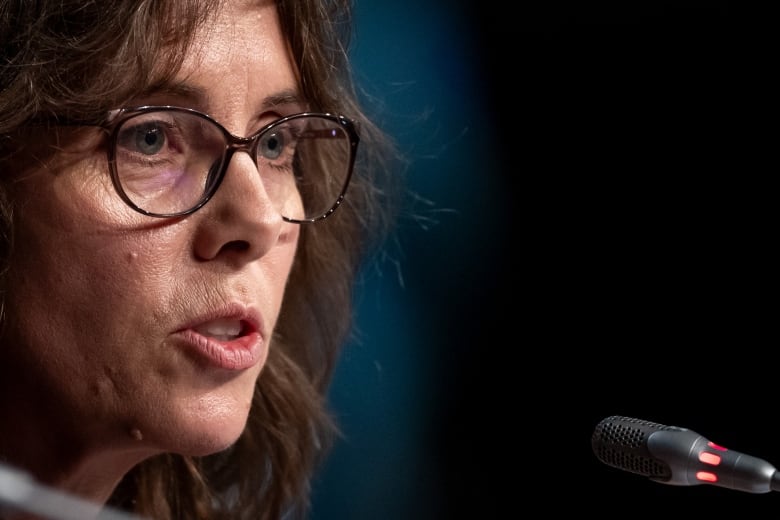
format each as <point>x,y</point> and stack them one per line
<point>170,161</point>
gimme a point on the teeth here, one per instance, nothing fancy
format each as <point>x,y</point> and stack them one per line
<point>220,329</point>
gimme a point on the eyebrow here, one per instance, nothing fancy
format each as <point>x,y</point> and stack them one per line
<point>284,97</point>
<point>198,95</point>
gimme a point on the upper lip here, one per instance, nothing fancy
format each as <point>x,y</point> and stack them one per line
<point>250,318</point>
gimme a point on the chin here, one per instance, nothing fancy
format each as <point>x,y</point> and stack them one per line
<point>207,439</point>
<point>207,425</point>
<point>210,446</point>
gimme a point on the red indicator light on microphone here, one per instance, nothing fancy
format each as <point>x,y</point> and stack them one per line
<point>706,476</point>
<point>715,446</point>
<point>709,458</point>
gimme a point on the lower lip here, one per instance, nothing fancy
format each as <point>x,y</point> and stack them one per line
<point>237,354</point>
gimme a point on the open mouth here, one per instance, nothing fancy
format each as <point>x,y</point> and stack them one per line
<point>223,329</point>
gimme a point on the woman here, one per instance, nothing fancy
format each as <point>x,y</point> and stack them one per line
<point>174,296</point>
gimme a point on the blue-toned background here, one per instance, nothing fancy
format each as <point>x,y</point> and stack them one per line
<point>588,240</point>
<point>422,312</point>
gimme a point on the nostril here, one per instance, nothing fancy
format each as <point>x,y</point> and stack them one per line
<point>236,245</point>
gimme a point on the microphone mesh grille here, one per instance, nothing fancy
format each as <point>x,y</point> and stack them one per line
<point>621,442</point>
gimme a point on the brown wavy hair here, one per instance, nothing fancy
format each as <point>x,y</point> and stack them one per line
<point>80,58</point>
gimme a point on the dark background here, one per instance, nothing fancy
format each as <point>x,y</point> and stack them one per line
<point>593,235</point>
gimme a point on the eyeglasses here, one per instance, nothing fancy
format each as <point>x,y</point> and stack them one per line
<point>169,161</point>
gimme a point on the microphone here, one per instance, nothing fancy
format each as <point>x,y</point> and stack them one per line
<point>678,456</point>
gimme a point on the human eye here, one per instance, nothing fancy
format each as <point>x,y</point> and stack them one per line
<point>150,138</point>
<point>163,159</point>
<point>277,146</point>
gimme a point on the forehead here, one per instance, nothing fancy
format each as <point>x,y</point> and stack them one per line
<point>237,33</point>
<point>239,55</point>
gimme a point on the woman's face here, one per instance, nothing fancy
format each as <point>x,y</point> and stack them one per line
<point>147,334</point>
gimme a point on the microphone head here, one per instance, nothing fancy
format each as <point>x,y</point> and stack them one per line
<point>621,442</point>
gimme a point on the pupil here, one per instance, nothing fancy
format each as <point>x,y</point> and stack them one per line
<point>151,137</point>
<point>149,141</point>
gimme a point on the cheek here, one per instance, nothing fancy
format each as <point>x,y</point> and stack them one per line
<point>77,284</point>
<point>77,257</point>
<point>283,256</point>
<point>73,230</point>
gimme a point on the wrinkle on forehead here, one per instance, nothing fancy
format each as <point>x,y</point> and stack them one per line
<point>236,31</point>
<point>241,57</point>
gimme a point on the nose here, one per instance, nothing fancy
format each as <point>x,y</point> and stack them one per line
<point>239,223</point>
